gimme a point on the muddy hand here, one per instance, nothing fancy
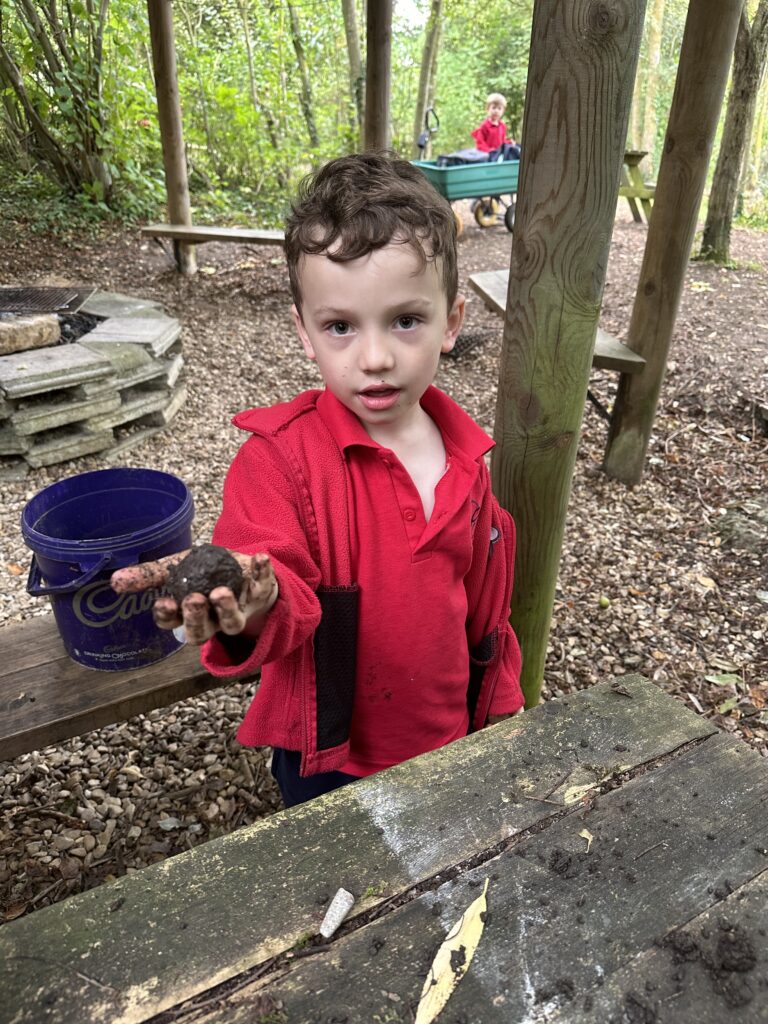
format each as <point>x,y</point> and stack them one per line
<point>259,593</point>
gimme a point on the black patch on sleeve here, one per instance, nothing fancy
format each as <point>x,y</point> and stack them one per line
<point>335,664</point>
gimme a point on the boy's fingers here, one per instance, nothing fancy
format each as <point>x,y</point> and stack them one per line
<point>145,575</point>
<point>230,615</point>
<point>198,624</point>
<point>166,613</point>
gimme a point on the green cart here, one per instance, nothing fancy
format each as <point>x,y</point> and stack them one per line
<point>488,183</point>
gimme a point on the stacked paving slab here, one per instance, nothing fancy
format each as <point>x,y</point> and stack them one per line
<point>113,388</point>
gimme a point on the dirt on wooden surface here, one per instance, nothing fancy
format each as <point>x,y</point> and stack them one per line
<point>667,579</point>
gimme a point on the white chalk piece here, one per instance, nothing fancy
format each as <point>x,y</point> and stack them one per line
<point>341,904</point>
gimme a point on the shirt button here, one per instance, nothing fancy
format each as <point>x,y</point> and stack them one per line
<point>409,515</point>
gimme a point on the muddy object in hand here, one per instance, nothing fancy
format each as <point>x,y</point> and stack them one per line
<point>206,567</point>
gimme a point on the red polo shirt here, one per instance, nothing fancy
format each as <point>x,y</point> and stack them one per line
<point>489,136</point>
<point>412,655</point>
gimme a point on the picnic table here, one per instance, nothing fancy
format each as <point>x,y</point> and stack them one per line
<point>633,186</point>
<point>623,840</point>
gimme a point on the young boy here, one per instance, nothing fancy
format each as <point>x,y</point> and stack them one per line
<point>491,136</point>
<point>379,565</point>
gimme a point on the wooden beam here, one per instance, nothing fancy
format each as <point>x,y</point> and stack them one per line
<point>580,77</point>
<point>705,57</point>
<point>171,133</point>
<point>378,73</point>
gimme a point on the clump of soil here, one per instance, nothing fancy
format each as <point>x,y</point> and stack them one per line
<point>205,568</point>
<point>728,960</point>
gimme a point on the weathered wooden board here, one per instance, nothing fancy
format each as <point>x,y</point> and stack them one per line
<point>45,697</point>
<point>206,233</point>
<point>563,922</point>
<point>609,353</point>
<point>154,939</point>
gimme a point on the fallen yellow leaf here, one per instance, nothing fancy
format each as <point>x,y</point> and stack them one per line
<point>707,582</point>
<point>586,834</point>
<point>452,960</point>
<point>14,569</point>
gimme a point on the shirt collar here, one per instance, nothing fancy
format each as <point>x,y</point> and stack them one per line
<point>456,426</point>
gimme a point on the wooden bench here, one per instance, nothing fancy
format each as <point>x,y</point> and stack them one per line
<point>634,188</point>
<point>609,352</point>
<point>185,234</point>
<point>46,698</point>
<point>199,234</point>
<point>619,835</point>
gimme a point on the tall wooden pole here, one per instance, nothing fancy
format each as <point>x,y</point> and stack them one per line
<point>171,134</point>
<point>705,57</point>
<point>378,61</point>
<point>580,77</point>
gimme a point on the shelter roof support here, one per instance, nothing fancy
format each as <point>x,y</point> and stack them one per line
<point>580,78</point>
<point>171,134</point>
<point>378,73</point>
<point>705,57</point>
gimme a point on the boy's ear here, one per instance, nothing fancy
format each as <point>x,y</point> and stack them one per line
<point>301,330</point>
<point>453,326</point>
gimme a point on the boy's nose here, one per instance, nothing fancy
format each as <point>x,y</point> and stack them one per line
<point>375,353</point>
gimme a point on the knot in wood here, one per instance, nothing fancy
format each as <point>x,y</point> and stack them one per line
<point>602,17</point>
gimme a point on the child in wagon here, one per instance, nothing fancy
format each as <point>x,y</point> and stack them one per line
<point>491,136</point>
<point>378,563</point>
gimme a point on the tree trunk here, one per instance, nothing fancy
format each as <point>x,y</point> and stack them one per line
<point>582,66</point>
<point>306,89</point>
<point>428,60</point>
<point>655,25</point>
<point>356,77</point>
<point>749,60</point>
<point>705,56</point>
<point>378,59</point>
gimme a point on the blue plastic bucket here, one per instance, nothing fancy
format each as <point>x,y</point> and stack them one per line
<point>83,528</point>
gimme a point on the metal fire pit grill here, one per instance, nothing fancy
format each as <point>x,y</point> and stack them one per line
<point>43,300</point>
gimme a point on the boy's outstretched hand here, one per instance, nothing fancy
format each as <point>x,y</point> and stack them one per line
<point>203,616</point>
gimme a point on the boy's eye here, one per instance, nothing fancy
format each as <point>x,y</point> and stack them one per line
<point>407,323</point>
<point>338,328</point>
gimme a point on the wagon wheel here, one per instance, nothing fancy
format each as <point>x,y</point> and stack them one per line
<point>509,215</point>
<point>485,212</point>
<point>459,223</point>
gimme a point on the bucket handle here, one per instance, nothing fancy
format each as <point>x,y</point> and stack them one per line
<point>36,589</point>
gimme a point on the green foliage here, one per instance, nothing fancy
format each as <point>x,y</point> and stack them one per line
<point>246,133</point>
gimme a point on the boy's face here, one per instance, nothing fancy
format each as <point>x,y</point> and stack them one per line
<point>376,327</point>
<point>495,111</point>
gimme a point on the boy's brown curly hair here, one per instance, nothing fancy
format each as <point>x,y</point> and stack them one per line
<point>362,202</point>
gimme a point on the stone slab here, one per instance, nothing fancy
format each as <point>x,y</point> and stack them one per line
<point>69,445</point>
<point>163,416</point>
<point>13,470</point>
<point>135,404</point>
<point>130,440</point>
<point>111,304</point>
<point>48,415</point>
<point>20,333</point>
<point>10,442</point>
<point>50,369</point>
<point>156,333</point>
<point>125,357</point>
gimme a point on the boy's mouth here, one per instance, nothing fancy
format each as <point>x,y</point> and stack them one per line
<point>379,397</point>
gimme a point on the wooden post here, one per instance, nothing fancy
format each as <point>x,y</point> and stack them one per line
<point>580,77</point>
<point>378,53</point>
<point>705,57</point>
<point>171,134</point>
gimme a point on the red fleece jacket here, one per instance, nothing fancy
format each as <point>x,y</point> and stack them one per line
<point>286,494</point>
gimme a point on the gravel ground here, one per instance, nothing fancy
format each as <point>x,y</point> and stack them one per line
<point>667,579</point>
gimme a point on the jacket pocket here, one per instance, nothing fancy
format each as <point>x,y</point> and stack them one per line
<point>335,655</point>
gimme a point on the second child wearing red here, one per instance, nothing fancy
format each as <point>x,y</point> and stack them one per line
<point>492,133</point>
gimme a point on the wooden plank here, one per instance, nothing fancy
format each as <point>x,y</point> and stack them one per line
<point>699,973</point>
<point>198,233</point>
<point>153,939</point>
<point>564,922</point>
<point>609,353</point>
<point>45,697</point>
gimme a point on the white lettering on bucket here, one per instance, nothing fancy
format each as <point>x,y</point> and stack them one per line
<point>97,605</point>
